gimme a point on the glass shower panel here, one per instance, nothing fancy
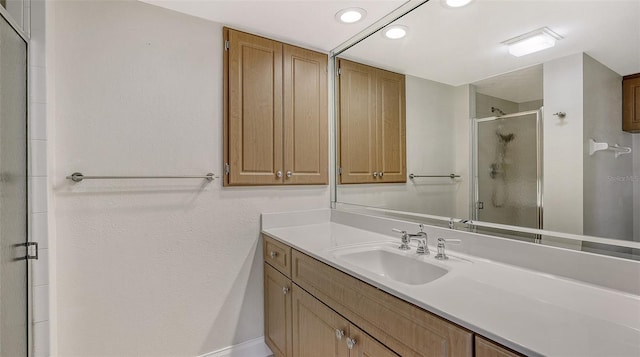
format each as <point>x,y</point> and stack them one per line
<point>13,192</point>
<point>507,170</point>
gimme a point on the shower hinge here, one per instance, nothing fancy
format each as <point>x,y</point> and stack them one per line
<point>480,205</point>
<point>226,45</point>
<point>32,253</point>
<point>227,168</point>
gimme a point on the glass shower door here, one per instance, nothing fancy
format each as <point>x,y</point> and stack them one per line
<point>508,170</point>
<point>13,193</point>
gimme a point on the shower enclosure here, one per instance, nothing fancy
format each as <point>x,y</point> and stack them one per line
<point>13,192</point>
<point>507,169</point>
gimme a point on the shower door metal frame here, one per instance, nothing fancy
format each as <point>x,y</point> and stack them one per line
<point>539,162</point>
<point>6,16</point>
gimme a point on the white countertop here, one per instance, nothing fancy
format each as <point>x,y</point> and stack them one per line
<point>531,312</point>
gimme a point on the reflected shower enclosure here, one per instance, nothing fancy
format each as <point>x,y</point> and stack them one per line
<point>507,169</point>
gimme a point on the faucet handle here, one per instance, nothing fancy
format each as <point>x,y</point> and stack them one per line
<point>441,241</point>
<point>452,241</point>
<point>405,239</point>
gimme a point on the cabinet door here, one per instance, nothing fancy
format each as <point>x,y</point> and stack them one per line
<point>315,326</point>
<point>391,121</point>
<point>357,123</point>
<point>631,103</point>
<point>277,312</point>
<point>367,346</point>
<point>305,116</point>
<point>254,119</point>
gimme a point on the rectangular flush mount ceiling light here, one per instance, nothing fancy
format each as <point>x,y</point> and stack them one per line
<point>534,41</point>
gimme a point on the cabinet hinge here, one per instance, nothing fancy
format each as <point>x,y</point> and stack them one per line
<point>339,71</point>
<point>226,45</point>
<point>339,170</point>
<point>32,250</point>
<point>227,168</point>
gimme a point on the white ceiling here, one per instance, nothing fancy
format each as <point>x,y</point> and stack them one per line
<point>460,46</point>
<point>519,86</point>
<point>309,23</point>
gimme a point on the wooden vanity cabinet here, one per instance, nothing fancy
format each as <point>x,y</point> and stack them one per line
<point>320,331</point>
<point>631,103</point>
<point>277,312</point>
<point>317,309</point>
<point>275,112</point>
<point>372,124</point>
<point>486,348</point>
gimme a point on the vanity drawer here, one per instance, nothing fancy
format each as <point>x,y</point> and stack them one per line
<point>406,329</point>
<point>486,348</point>
<point>277,255</point>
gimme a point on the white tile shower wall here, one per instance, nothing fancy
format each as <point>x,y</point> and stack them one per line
<point>38,171</point>
<point>160,267</point>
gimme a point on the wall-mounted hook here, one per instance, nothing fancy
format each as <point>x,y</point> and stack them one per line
<point>560,115</point>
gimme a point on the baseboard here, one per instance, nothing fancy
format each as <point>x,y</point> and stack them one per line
<point>251,348</point>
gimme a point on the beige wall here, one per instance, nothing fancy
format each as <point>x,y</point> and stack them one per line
<point>149,268</point>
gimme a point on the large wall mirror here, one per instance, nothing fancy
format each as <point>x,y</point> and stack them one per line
<point>505,112</point>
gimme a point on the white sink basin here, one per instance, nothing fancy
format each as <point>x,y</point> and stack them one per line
<point>405,267</point>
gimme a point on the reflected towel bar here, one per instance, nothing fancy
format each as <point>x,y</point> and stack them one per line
<point>78,177</point>
<point>451,176</point>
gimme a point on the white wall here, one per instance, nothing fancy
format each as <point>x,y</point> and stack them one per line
<point>149,268</point>
<point>563,145</point>
<point>430,150</point>
<point>464,105</point>
<point>636,186</point>
<point>608,202</point>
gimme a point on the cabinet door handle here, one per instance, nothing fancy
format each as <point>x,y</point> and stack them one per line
<point>339,334</point>
<point>285,290</point>
<point>351,343</point>
<point>375,174</point>
<point>381,173</point>
<point>289,174</point>
<point>279,174</point>
<point>273,254</point>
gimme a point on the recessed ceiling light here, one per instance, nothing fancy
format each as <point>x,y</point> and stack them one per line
<point>456,3</point>
<point>534,41</point>
<point>395,32</point>
<point>351,15</point>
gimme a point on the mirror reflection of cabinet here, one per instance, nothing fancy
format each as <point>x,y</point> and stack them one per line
<point>372,124</point>
<point>276,118</point>
<point>631,103</point>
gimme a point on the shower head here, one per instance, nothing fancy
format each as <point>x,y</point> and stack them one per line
<point>495,109</point>
<point>505,138</point>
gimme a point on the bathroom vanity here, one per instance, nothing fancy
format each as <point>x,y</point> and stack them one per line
<point>334,285</point>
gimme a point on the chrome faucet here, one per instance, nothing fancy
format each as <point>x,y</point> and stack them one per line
<point>420,237</point>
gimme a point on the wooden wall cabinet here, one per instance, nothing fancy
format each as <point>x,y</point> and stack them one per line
<point>372,124</point>
<point>275,112</point>
<point>631,103</point>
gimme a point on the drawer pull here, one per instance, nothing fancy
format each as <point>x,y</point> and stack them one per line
<point>351,343</point>
<point>339,334</point>
<point>285,290</point>
<point>273,254</point>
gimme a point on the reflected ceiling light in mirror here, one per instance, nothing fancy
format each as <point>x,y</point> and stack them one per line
<point>534,41</point>
<point>395,32</point>
<point>351,15</point>
<point>456,3</point>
